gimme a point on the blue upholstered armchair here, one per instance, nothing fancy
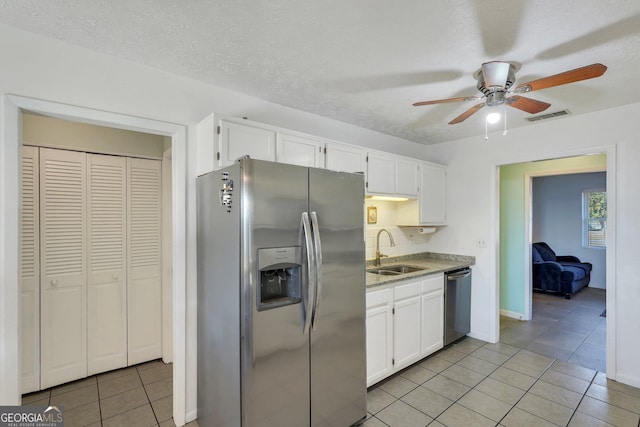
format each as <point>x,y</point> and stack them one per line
<point>565,275</point>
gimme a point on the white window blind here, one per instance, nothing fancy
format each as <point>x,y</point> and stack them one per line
<point>594,218</point>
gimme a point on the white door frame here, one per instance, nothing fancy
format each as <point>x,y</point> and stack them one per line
<point>528,225</point>
<point>13,106</point>
<point>610,151</point>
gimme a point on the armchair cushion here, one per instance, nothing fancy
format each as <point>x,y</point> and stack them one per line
<point>564,274</point>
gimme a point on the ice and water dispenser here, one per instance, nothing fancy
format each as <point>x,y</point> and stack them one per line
<point>279,277</point>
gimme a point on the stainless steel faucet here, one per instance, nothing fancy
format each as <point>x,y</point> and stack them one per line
<point>378,254</point>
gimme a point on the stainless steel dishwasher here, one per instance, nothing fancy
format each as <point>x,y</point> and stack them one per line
<point>457,304</point>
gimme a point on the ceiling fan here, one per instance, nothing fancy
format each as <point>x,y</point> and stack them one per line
<point>495,78</point>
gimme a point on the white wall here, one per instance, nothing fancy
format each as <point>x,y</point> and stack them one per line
<point>472,188</point>
<point>557,218</point>
<point>41,68</point>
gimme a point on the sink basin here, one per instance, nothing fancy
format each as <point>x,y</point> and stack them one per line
<point>403,268</point>
<point>394,270</point>
<point>383,272</point>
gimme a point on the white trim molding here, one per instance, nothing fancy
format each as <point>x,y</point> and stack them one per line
<point>13,105</point>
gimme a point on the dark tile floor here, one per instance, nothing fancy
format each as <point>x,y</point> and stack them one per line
<point>570,330</point>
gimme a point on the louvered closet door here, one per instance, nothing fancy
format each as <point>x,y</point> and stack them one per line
<point>63,266</point>
<point>30,272</point>
<point>106,285</point>
<point>144,268</point>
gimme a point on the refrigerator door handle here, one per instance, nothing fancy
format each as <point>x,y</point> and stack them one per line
<point>318,254</point>
<point>311,266</point>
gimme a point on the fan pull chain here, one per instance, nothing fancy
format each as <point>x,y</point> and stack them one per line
<point>486,130</point>
<point>505,119</point>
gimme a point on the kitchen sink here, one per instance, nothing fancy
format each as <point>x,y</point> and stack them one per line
<point>383,272</point>
<point>394,270</point>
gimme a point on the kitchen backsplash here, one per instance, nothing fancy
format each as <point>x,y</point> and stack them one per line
<point>407,239</point>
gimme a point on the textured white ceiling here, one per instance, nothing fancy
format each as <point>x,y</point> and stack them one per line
<point>363,62</point>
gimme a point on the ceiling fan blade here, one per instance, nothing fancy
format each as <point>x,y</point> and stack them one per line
<point>528,105</point>
<point>442,101</point>
<point>464,116</point>
<point>583,73</point>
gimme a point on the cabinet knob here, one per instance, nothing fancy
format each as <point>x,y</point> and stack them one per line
<point>54,283</point>
<point>115,277</point>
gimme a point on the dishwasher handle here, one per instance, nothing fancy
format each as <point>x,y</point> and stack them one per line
<point>460,275</point>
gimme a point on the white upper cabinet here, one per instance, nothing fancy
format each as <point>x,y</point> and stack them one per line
<point>432,194</point>
<point>381,172</point>
<point>298,150</point>
<point>407,176</point>
<point>345,158</point>
<point>430,208</point>
<point>238,140</point>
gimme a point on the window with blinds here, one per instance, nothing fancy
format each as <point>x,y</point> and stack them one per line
<point>594,218</point>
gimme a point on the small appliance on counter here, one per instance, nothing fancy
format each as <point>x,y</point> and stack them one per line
<point>281,297</point>
<point>457,304</point>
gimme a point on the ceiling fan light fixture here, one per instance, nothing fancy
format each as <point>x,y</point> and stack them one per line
<point>493,118</point>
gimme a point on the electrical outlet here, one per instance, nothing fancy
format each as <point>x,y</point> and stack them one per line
<point>482,243</point>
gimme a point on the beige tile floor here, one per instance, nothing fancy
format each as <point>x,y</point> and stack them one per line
<point>546,372</point>
<point>139,395</point>
<point>471,383</point>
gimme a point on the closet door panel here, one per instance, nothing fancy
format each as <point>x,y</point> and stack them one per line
<point>63,336</point>
<point>144,289</point>
<point>30,272</point>
<point>106,286</point>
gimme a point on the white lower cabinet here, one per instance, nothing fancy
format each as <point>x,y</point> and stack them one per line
<point>379,335</point>
<point>432,320</point>
<point>404,324</point>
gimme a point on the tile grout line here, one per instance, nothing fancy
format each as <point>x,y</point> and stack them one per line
<point>582,398</point>
<point>147,394</point>
<point>99,400</point>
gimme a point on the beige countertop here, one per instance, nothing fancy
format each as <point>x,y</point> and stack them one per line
<point>432,262</point>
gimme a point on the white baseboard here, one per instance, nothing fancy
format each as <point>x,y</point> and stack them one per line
<point>511,314</point>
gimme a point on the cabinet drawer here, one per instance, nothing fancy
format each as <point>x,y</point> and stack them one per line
<point>378,298</point>
<point>407,291</point>
<point>433,283</point>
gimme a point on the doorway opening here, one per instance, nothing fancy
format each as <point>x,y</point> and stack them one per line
<point>545,323</point>
<point>14,107</point>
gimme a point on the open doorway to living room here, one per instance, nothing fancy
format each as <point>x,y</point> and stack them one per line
<point>542,202</point>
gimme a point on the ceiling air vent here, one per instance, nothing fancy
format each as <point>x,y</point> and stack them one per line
<point>549,115</point>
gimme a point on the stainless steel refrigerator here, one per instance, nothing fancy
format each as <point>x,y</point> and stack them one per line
<point>281,297</point>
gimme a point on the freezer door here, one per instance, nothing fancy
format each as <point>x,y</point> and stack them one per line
<point>338,342</point>
<point>275,348</point>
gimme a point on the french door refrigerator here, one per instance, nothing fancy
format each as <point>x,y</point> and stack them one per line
<point>281,297</point>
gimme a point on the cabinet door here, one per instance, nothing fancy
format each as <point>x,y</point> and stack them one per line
<point>345,158</point>
<point>30,272</point>
<point>237,140</point>
<point>432,194</point>
<point>432,322</point>
<point>407,176</point>
<point>144,290</point>
<point>106,285</point>
<point>381,173</point>
<point>297,150</point>
<point>406,331</point>
<point>379,335</point>
<point>63,266</point>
